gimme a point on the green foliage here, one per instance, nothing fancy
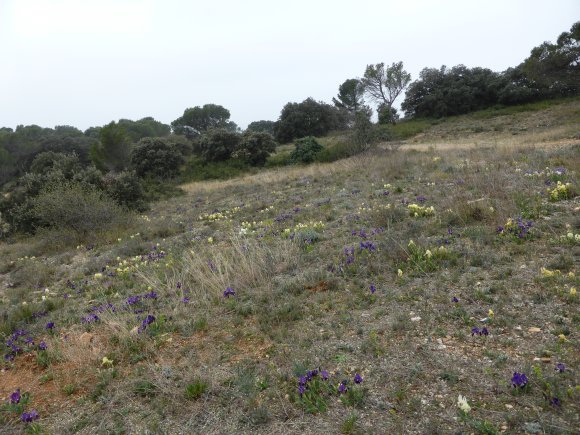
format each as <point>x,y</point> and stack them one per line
<point>195,390</point>
<point>350,96</point>
<point>446,92</point>
<point>198,120</point>
<point>218,144</point>
<point>555,67</point>
<point>196,169</point>
<point>262,126</point>
<point>305,150</point>
<point>309,118</point>
<point>156,157</point>
<point>126,189</point>
<point>114,150</point>
<point>255,147</point>
<point>385,84</point>
<point>71,207</point>
<point>146,127</point>
<point>47,161</point>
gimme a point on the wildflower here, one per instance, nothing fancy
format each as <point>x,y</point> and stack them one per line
<point>490,313</point>
<point>302,380</point>
<point>49,326</point>
<point>324,375</point>
<point>229,292</point>
<point>148,321</point>
<point>455,299</point>
<point>98,275</point>
<point>301,389</point>
<point>562,338</point>
<point>475,331</point>
<point>107,362</point>
<point>29,417</point>
<point>150,295</point>
<point>342,388</point>
<point>484,331</point>
<point>573,291</point>
<point>428,253</point>
<point>373,289</point>
<point>132,300</point>
<point>42,345</point>
<point>185,299</point>
<point>210,240</point>
<point>462,404</point>
<point>15,397</point>
<point>358,379</point>
<point>519,380</point>
<point>555,402</point>
<point>560,367</point>
<point>399,272</point>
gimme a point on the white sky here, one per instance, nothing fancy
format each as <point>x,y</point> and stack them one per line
<point>87,62</point>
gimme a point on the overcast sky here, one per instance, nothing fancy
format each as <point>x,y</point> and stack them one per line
<point>88,62</point>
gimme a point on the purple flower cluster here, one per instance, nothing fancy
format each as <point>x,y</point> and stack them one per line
<point>29,417</point>
<point>368,245</point>
<point>363,234</point>
<point>517,228</point>
<point>154,255</point>
<point>91,318</point>
<point>303,381</point>
<point>560,367</point>
<point>15,397</point>
<point>146,322</point>
<point>49,326</point>
<point>229,292</point>
<point>373,289</point>
<point>519,380</point>
<point>349,253</point>
<point>19,338</point>
<point>477,331</point>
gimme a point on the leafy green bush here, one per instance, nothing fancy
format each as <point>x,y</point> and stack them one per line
<point>305,150</point>
<point>126,189</point>
<point>218,144</point>
<point>82,210</point>
<point>255,147</point>
<point>156,157</point>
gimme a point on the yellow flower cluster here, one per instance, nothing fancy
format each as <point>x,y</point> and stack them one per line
<point>417,210</point>
<point>249,227</point>
<point>561,191</point>
<point>570,237</point>
<point>218,215</point>
<point>547,273</point>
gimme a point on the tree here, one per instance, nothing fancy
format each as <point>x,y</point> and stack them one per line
<point>205,118</point>
<point>156,157</point>
<point>556,67</point>
<point>261,126</point>
<point>308,118</point>
<point>350,96</point>
<point>385,84</point>
<point>114,150</point>
<point>255,147</point>
<point>218,144</point>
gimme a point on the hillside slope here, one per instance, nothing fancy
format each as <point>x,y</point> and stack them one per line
<point>360,296</point>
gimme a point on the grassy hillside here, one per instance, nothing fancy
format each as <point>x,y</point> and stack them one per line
<point>360,296</point>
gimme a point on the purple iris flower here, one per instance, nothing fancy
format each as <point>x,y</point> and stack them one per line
<point>42,345</point>
<point>519,380</point>
<point>324,375</point>
<point>373,289</point>
<point>15,397</point>
<point>455,299</point>
<point>342,388</point>
<point>561,367</point>
<point>229,292</point>
<point>29,417</point>
<point>49,326</point>
<point>358,379</point>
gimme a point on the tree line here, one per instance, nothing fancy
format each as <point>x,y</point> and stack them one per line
<point>126,159</point>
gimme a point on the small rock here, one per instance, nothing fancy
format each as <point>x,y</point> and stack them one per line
<point>534,329</point>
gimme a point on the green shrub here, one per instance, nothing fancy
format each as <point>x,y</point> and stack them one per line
<point>305,150</point>
<point>218,144</point>
<point>156,157</point>
<point>84,211</point>
<point>255,147</point>
<point>126,189</point>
